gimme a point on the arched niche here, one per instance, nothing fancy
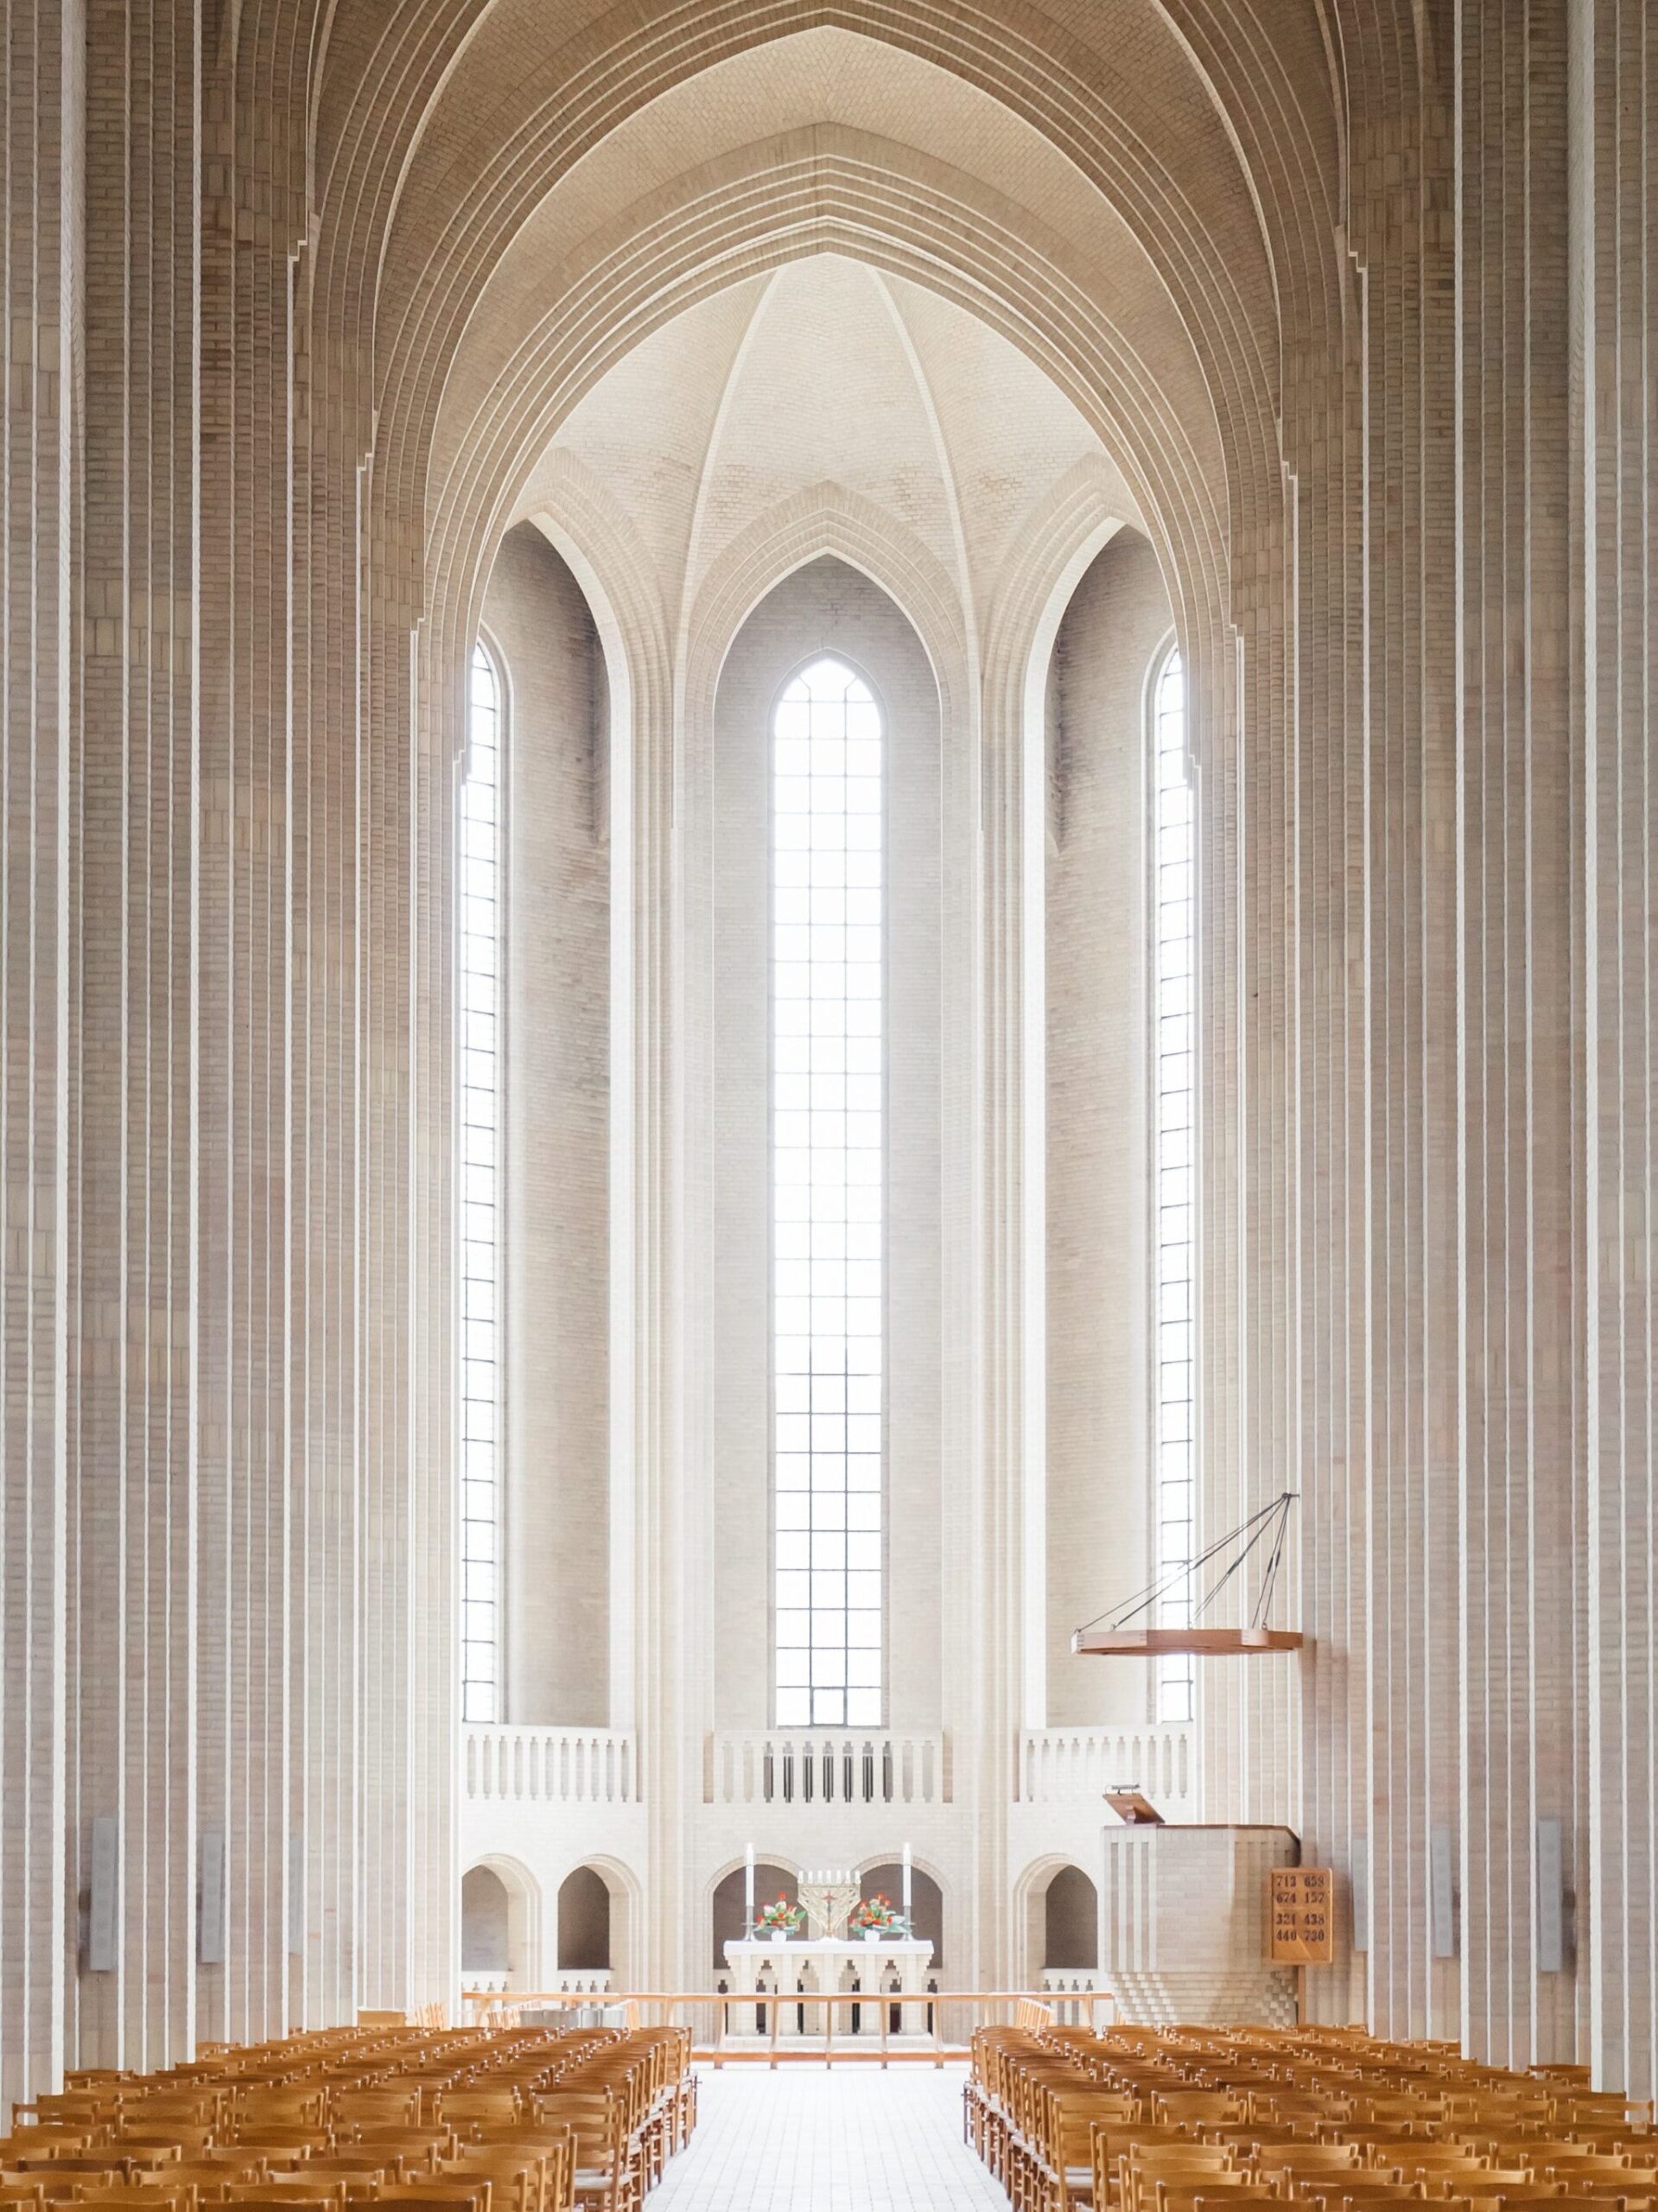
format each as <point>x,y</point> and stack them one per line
<point>770,1880</point>
<point>553,1029</point>
<point>1090,906</point>
<point>831,607</point>
<point>584,1930</point>
<point>1071,1922</point>
<point>927,1900</point>
<point>486,1912</point>
<point>500,1917</point>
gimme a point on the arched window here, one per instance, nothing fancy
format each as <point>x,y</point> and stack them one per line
<point>477,883</point>
<point>829,1191</point>
<point>1174,1130</point>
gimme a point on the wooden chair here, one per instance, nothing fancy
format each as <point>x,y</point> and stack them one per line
<point>185,2141</point>
<point>55,2188</point>
<point>1147,2162</point>
<point>300,2194</point>
<point>1564,2202</point>
<point>391,2104</point>
<point>1176,2192</point>
<point>605,2171</point>
<point>108,2163</point>
<point>37,2143</point>
<point>473,2111</point>
<point>431,2198</point>
<point>1360,2188</point>
<point>516,2174</point>
<point>340,2165</point>
<point>1297,2159</point>
<point>140,2197</point>
<point>1207,2199</point>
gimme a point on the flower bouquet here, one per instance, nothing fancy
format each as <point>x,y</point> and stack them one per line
<point>878,1916</point>
<point>779,1920</point>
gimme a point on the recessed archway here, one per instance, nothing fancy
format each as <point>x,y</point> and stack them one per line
<point>583,1923</point>
<point>500,1925</point>
<point>726,1901</point>
<point>886,1878</point>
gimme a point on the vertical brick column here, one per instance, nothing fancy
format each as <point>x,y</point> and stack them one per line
<point>1521,1235</point>
<point>130,1433</point>
<point>1613,78</point>
<point>41,127</point>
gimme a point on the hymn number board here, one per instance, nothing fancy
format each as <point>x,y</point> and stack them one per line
<point>1301,1919</point>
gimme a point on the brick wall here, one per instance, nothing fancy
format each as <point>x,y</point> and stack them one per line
<point>1359,303</point>
<point>1099,1475</point>
<point>557,1492</point>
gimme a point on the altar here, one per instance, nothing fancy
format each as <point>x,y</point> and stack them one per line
<point>787,1977</point>
<point>790,1976</point>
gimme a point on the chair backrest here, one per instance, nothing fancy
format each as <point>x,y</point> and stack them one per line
<point>477,2198</point>
<point>1307,2158</point>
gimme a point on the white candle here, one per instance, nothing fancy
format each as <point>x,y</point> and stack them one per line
<point>906,1881</point>
<point>748,1891</point>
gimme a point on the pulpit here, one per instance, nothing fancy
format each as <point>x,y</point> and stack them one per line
<point>1184,1926</point>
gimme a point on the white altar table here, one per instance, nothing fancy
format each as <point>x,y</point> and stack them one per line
<point>796,1972</point>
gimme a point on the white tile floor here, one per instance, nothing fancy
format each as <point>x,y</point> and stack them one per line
<point>806,2140</point>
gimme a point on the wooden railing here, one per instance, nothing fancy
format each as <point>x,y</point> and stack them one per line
<point>808,2039</point>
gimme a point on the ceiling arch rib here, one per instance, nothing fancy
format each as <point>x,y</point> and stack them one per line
<point>825,520</point>
<point>504,405</point>
<point>521,109</point>
<point>827,384</point>
<point>614,570</point>
<point>1208,260</point>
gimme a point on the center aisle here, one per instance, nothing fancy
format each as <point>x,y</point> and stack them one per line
<point>807,2141</point>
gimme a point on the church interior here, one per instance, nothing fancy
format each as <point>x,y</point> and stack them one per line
<point>828,1097</point>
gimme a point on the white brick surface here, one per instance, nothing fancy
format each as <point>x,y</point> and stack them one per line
<point>1350,310</point>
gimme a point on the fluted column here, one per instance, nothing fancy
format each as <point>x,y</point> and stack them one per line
<point>130,1427</point>
<point>40,126</point>
<point>1613,83</point>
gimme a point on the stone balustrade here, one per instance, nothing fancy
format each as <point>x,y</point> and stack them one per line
<point>848,1766</point>
<point>568,1766</point>
<point>1064,1765</point>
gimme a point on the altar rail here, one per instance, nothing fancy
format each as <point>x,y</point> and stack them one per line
<point>843,1766</point>
<point>567,1766</point>
<point>944,2020</point>
<point>1061,1765</point>
<point>490,1983</point>
<point>1071,1991</point>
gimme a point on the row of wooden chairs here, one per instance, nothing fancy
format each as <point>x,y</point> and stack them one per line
<point>1334,2120</point>
<point>402,2118</point>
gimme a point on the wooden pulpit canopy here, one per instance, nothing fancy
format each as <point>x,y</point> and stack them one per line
<point>1205,1643</point>
<point>1134,1630</point>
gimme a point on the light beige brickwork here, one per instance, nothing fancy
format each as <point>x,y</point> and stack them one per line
<point>1098,1475</point>
<point>555,1500</point>
<point>1349,310</point>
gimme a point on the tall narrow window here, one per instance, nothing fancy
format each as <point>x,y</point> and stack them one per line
<point>828,1193</point>
<point>1175,1011</point>
<point>479,1008</point>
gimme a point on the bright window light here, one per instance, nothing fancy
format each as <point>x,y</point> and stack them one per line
<point>827,1198</point>
<point>478,1053</point>
<point>1174,1012</point>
